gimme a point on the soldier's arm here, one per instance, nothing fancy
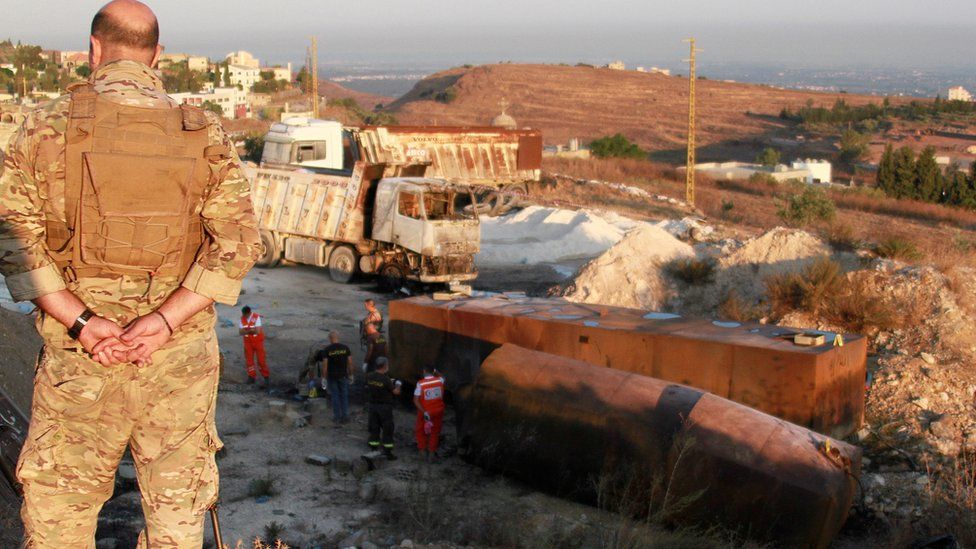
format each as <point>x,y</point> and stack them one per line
<point>29,270</point>
<point>232,244</point>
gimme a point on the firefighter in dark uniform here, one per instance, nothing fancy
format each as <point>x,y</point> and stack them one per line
<point>381,393</point>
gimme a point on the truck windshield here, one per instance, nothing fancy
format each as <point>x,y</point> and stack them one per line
<point>448,205</point>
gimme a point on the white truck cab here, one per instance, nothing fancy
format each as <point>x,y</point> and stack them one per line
<point>308,143</point>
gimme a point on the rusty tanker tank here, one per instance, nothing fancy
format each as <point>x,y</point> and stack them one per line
<point>641,445</point>
<point>818,387</point>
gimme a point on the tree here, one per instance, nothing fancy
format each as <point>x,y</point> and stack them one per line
<point>83,71</point>
<point>226,74</point>
<point>904,173</point>
<point>886,171</point>
<point>213,107</point>
<point>853,146</point>
<point>928,177</point>
<point>253,147</point>
<point>811,204</point>
<point>616,146</point>
<point>769,157</point>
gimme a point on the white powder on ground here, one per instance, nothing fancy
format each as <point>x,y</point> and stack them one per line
<point>538,234</point>
<point>630,273</point>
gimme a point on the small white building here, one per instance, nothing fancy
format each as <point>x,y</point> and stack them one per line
<point>281,73</point>
<point>617,66</point>
<point>243,58</point>
<point>245,77</point>
<point>820,171</point>
<point>232,101</point>
<point>959,93</point>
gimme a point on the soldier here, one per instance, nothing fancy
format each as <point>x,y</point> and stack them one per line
<point>123,217</point>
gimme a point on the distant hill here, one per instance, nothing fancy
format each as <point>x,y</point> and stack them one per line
<point>588,103</point>
<point>332,90</point>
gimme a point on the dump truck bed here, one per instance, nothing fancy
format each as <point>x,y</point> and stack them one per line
<point>487,156</point>
<point>315,206</point>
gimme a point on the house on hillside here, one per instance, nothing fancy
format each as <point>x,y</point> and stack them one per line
<point>959,93</point>
<point>617,66</point>
<point>244,76</point>
<point>233,102</point>
<point>810,171</point>
<point>244,59</point>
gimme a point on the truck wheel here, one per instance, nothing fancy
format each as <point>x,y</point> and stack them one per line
<point>496,203</point>
<point>270,254</point>
<point>391,278</point>
<point>515,196</point>
<point>342,264</point>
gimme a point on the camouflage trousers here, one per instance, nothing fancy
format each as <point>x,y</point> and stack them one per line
<point>84,416</point>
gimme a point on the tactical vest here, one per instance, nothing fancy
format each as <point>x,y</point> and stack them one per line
<point>134,181</point>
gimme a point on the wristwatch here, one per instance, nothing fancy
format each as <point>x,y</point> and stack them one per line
<point>75,331</point>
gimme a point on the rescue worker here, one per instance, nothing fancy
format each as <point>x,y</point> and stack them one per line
<point>252,330</point>
<point>375,348</point>
<point>338,373</point>
<point>123,217</point>
<point>428,398</point>
<point>374,317</point>
<point>381,393</point>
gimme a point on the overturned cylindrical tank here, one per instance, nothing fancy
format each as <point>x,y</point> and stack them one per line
<point>643,446</point>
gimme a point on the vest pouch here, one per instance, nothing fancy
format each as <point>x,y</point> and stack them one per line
<point>134,210</point>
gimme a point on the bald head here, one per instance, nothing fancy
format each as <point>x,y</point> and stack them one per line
<point>124,29</point>
<point>334,337</point>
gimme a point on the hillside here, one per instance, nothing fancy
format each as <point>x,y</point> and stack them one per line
<point>587,102</point>
<point>332,90</point>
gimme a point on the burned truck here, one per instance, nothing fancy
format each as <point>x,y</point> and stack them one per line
<point>500,165</point>
<point>399,228</point>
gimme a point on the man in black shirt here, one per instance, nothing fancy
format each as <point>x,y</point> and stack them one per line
<point>381,392</point>
<point>375,348</point>
<point>338,359</point>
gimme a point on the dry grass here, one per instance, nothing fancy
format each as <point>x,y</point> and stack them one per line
<point>733,307</point>
<point>898,248</point>
<point>692,271</point>
<point>951,501</point>
<point>810,290</point>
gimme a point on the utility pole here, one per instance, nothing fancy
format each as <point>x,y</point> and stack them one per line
<point>314,73</point>
<point>690,169</point>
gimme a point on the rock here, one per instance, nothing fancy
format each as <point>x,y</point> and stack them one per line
<point>316,459</point>
<point>922,480</point>
<point>942,429</point>
<point>407,544</point>
<point>369,545</point>
<point>276,323</point>
<point>921,402</point>
<point>877,480</point>
<point>367,490</point>
<point>355,539</point>
<point>928,358</point>
<point>863,434</point>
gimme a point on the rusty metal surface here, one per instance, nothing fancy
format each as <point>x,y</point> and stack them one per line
<point>473,155</point>
<point>821,388</point>
<point>315,206</point>
<point>638,444</point>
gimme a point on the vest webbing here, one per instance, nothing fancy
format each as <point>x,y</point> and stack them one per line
<point>135,179</point>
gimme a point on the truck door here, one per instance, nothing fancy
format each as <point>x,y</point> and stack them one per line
<point>408,223</point>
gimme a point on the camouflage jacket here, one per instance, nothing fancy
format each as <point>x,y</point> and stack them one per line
<point>34,174</point>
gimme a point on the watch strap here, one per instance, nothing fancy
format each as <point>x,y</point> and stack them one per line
<point>75,331</point>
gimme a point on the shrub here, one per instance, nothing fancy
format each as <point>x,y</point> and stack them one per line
<point>857,307</point>
<point>446,96</point>
<point>737,309</point>
<point>691,270</point>
<point>253,147</point>
<point>273,531</point>
<point>841,237</point>
<point>809,205</point>
<point>810,290</point>
<point>897,248</point>
<point>616,146</point>
<point>261,487</point>
<point>769,157</point>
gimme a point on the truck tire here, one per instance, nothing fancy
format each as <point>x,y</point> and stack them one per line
<point>496,203</point>
<point>390,278</point>
<point>342,264</point>
<point>270,254</point>
<point>516,196</point>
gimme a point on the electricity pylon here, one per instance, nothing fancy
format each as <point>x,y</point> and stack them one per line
<point>690,169</point>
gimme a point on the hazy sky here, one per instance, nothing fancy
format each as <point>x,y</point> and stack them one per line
<point>905,33</point>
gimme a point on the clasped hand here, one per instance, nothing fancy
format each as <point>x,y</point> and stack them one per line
<point>110,344</point>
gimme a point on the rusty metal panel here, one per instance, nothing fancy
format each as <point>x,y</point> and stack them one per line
<point>475,155</point>
<point>569,427</point>
<point>530,152</point>
<point>821,388</point>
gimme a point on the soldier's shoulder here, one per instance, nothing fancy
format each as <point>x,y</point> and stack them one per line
<point>215,127</point>
<point>50,117</point>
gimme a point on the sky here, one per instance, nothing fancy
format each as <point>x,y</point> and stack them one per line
<point>787,33</point>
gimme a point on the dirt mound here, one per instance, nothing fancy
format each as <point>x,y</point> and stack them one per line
<point>778,251</point>
<point>630,273</point>
<point>589,103</point>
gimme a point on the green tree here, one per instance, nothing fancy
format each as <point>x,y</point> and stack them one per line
<point>213,107</point>
<point>886,170</point>
<point>226,74</point>
<point>254,147</point>
<point>616,146</point>
<point>83,71</point>
<point>928,177</point>
<point>904,173</point>
<point>769,157</point>
<point>809,205</point>
<point>853,146</point>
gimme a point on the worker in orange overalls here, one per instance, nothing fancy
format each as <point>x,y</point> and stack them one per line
<point>250,327</point>
<point>428,398</point>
